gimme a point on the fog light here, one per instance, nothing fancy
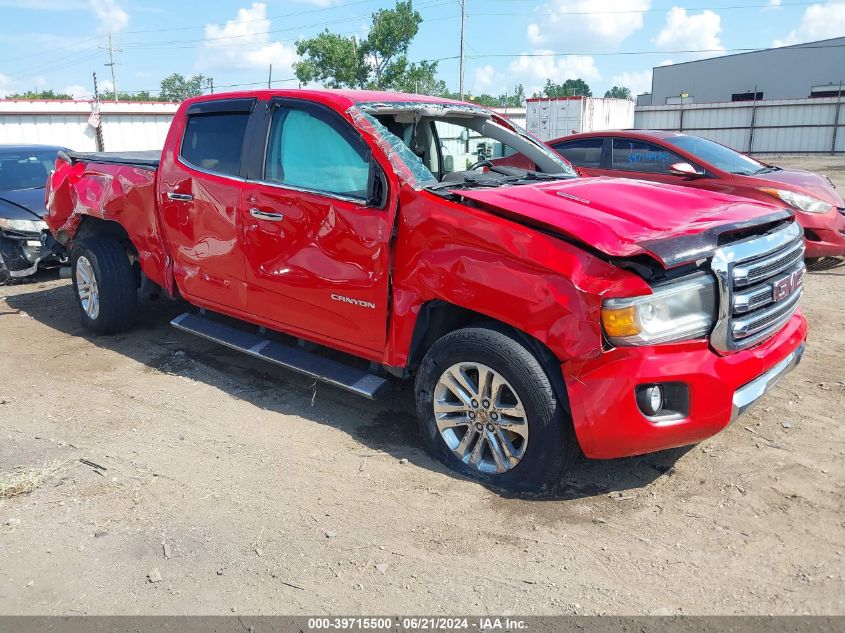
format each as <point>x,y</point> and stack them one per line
<point>650,399</point>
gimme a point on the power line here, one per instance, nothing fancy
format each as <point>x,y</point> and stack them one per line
<point>58,64</point>
<point>704,8</point>
<point>649,52</point>
<point>210,40</point>
<point>269,17</point>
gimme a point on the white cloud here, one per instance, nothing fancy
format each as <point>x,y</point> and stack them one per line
<point>110,15</point>
<point>245,43</point>
<point>594,23</point>
<point>819,22</point>
<point>532,72</point>
<point>77,92</point>
<point>773,4</point>
<point>638,82</point>
<point>5,86</point>
<point>486,80</point>
<point>687,31</point>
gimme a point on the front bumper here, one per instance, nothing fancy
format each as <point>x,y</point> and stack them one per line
<point>824,234</point>
<point>22,254</point>
<point>609,423</point>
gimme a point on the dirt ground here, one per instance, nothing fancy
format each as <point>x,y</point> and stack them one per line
<point>228,485</point>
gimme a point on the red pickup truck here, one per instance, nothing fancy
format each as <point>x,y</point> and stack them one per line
<point>539,313</point>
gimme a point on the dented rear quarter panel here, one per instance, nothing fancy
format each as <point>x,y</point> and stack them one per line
<point>116,193</point>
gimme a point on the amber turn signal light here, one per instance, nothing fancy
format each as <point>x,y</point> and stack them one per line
<point>620,322</point>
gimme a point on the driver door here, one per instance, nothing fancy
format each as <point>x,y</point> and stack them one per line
<point>316,249</point>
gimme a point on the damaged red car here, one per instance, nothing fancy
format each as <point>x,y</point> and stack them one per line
<point>539,314</point>
<point>693,161</point>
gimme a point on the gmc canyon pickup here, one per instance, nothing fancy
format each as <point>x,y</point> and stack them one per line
<point>539,313</point>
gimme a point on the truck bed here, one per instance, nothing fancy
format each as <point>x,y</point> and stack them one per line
<point>146,159</point>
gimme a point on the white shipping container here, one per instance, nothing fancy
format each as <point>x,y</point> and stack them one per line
<point>552,118</point>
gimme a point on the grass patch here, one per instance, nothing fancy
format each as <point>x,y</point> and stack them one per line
<point>24,480</point>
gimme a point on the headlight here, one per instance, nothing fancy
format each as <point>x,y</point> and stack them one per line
<point>676,311</point>
<point>799,201</point>
<point>24,226</point>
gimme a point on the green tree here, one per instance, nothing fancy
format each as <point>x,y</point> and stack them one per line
<point>380,61</point>
<point>388,41</point>
<point>618,92</point>
<point>333,60</point>
<point>39,94</point>
<point>517,99</point>
<point>176,87</point>
<point>141,95</point>
<point>569,88</point>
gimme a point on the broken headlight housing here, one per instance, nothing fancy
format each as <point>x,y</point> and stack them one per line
<point>22,226</point>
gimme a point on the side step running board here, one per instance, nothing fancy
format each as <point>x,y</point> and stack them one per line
<point>358,381</point>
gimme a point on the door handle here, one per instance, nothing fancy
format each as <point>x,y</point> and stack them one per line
<point>180,197</point>
<point>266,215</point>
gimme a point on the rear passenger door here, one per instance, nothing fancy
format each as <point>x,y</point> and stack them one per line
<point>200,186</point>
<point>584,153</point>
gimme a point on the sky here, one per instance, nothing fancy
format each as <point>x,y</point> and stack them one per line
<point>58,44</point>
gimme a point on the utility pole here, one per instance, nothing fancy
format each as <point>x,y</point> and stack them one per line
<point>463,22</point>
<point>98,131</point>
<point>112,50</point>
<point>270,78</point>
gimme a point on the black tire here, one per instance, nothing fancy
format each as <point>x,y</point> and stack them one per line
<point>551,444</point>
<point>117,291</point>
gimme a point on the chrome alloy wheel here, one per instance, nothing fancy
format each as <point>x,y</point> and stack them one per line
<point>86,287</point>
<point>480,417</point>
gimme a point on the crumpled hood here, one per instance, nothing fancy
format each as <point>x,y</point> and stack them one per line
<point>22,204</point>
<point>622,217</point>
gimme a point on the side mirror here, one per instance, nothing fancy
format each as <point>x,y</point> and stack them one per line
<point>684,169</point>
<point>448,164</point>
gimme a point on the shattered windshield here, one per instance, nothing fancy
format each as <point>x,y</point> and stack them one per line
<point>444,146</point>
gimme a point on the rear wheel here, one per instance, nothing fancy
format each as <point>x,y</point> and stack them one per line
<point>487,409</point>
<point>104,285</point>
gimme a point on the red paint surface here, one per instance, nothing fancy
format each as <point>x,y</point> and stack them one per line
<point>829,228</point>
<point>126,195</point>
<point>420,248</point>
<point>615,215</point>
<point>608,422</point>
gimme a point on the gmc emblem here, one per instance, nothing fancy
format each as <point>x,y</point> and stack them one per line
<point>785,286</point>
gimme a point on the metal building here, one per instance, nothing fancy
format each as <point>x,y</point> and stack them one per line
<point>813,69</point>
<point>124,126</point>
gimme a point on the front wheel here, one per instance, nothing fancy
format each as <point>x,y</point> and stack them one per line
<point>487,409</point>
<point>104,284</point>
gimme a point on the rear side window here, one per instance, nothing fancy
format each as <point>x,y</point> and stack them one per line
<point>214,141</point>
<point>632,155</point>
<point>584,152</point>
<point>316,153</point>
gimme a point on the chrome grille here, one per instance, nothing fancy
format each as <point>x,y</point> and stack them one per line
<point>760,285</point>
